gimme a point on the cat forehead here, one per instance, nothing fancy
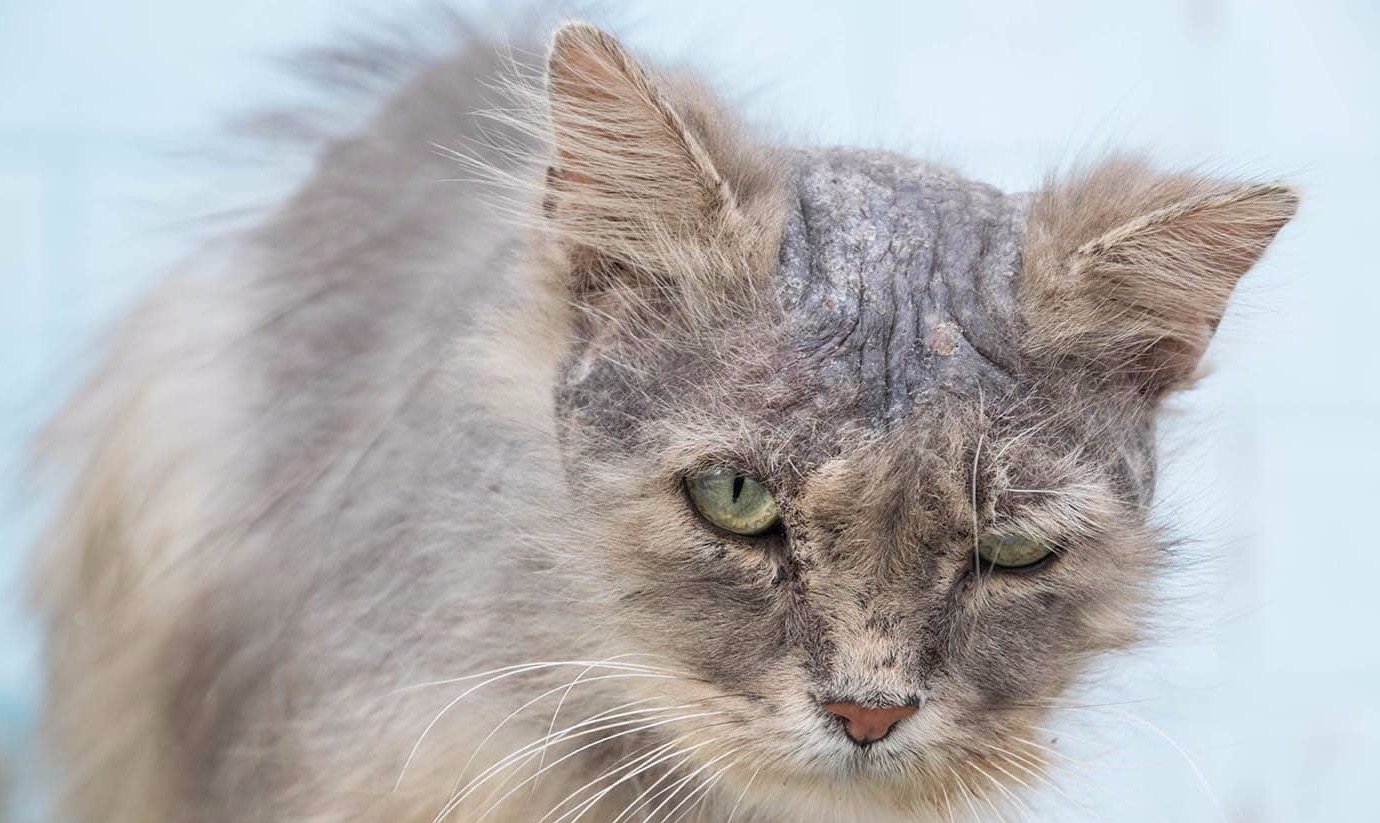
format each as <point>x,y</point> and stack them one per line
<point>898,279</point>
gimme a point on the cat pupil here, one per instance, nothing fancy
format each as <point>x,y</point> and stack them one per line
<point>737,486</point>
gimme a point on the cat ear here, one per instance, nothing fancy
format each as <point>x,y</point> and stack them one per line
<point>1129,272</point>
<point>631,188</point>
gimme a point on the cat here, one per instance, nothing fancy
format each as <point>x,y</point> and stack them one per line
<point>688,477</point>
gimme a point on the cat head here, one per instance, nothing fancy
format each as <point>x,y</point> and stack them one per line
<point>864,449</point>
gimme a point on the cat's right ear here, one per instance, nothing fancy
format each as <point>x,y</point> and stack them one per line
<point>632,192</point>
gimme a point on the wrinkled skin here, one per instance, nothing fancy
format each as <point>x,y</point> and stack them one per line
<point>899,279</point>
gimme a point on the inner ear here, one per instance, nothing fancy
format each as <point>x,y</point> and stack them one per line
<point>1128,273</point>
<point>654,232</point>
<point>626,170</point>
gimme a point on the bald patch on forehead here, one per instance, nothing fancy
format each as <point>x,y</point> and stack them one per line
<point>897,279</point>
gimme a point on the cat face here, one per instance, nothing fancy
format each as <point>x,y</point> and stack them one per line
<point>861,449</point>
<point>874,391</point>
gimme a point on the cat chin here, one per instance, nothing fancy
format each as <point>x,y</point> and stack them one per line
<point>817,799</point>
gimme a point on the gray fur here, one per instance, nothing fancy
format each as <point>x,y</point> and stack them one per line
<point>394,437</point>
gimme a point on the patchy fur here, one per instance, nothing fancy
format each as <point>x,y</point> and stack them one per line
<point>376,512</point>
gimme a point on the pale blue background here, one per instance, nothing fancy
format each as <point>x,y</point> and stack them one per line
<point>1269,669</point>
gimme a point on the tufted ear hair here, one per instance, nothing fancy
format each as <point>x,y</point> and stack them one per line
<point>633,189</point>
<point>1127,272</point>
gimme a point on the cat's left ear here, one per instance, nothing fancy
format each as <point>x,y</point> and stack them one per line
<point>633,190</point>
<point>1127,273</point>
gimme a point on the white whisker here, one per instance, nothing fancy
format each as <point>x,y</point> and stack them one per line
<point>661,759</point>
<point>948,806</point>
<point>1041,779</point>
<point>1183,753</point>
<point>734,812</point>
<point>599,717</point>
<point>966,793</point>
<point>542,759</point>
<point>638,801</point>
<point>529,751</point>
<point>1020,807</point>
<point>703,791</point>
<point>637,758</point>
<point>452,704</point>
<point>682,782</point>
<point>585,747</point>
<point>546,664</point>
<point>550,731</point>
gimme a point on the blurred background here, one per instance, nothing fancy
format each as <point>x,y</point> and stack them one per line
<point>1259,702</point>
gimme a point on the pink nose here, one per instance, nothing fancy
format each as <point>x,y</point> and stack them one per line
<point>865,724</point>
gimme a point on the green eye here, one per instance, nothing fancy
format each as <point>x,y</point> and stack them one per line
<point>1009,550</point>
<point>733,501</point>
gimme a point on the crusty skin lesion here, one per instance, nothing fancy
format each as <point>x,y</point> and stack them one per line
<point>900,278</point>
<point>894,280</point>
